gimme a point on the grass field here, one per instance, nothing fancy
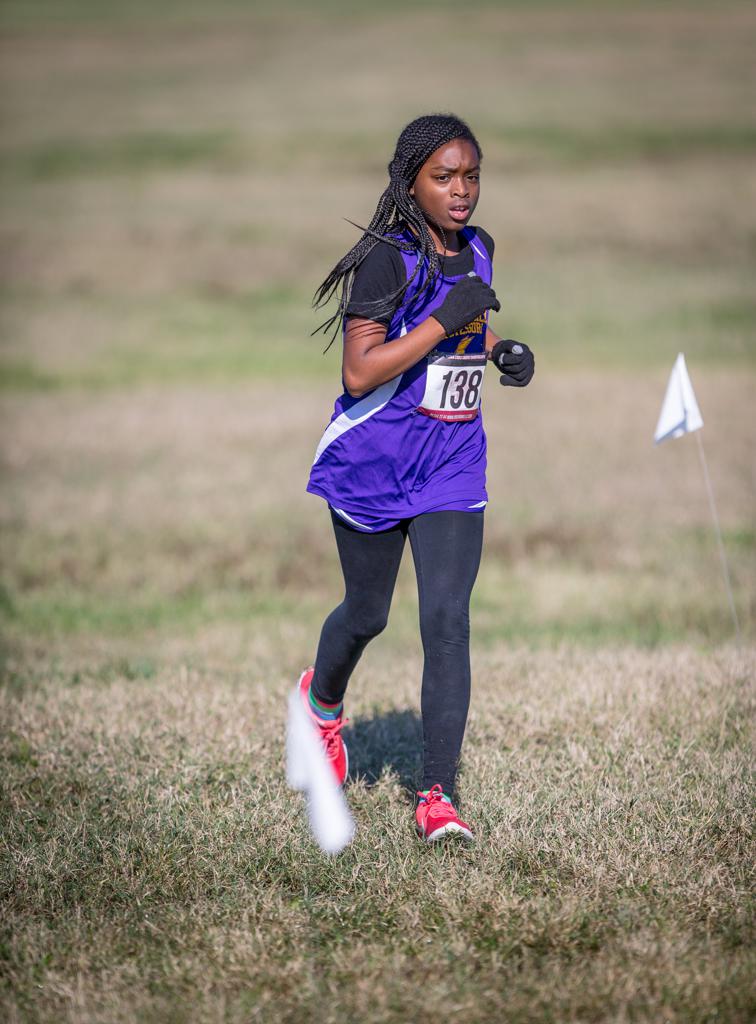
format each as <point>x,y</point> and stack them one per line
<point>174,184</point>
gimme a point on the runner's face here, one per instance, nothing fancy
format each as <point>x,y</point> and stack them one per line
<point>447,186</point>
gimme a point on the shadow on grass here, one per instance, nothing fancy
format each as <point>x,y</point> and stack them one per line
<point>391,741</point>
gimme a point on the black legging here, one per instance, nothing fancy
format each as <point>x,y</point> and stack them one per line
<point>446,549</point>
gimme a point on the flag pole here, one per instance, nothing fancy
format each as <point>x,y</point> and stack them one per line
<point>718,530</point>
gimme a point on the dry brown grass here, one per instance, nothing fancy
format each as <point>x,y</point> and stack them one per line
<point>166,496</point>
<point>159,869</point>
<point>244,212</point>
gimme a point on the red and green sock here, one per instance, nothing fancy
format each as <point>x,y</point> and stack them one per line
<point>326,712</point>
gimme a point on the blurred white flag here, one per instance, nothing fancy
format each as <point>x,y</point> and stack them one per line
<point>679,413</point>
<point>307,769</point>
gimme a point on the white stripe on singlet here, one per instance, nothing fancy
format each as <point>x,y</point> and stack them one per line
<point>360,411</point>
<point>483,255</point>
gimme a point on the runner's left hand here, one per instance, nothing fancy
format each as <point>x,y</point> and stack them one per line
<point>515,362</point>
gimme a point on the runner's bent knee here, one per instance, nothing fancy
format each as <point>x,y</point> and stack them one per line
<point>365,623</point>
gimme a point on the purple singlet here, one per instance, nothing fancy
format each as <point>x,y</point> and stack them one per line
<point>416,443</point>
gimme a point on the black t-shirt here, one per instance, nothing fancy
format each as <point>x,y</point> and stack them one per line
<point>382,272</point>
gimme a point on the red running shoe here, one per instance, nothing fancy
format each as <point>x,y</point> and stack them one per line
<point>330,732</point>
<point>437,818</point>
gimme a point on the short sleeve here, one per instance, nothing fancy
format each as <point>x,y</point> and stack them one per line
<point>380,274</point>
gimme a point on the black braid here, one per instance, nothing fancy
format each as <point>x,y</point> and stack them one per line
<point>396,210</point>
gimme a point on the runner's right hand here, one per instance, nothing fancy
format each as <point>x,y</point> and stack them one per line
<point>467,299</point>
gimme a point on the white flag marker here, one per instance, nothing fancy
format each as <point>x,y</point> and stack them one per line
<point>308,770</point>
<point>679,412</point>
<point>680,415</point>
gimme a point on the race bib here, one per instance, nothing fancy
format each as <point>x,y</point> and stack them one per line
<point>453,385</point>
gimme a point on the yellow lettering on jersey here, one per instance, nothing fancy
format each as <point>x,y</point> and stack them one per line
<point>460,350</point>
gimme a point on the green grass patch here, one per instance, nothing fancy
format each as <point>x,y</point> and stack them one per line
<point>145,153</point>
<point>620,143</point>
<point>51,612</point>
<point>18,15</point>
<point>132,154</point>
<point>266,334</point>
<point>733,317</point>
<point>233,338</point>
<point>628,320</point>
<point>607,609</point>
<point>16,376</point>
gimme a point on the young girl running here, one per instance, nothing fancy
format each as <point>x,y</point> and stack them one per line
<point>404,454</point>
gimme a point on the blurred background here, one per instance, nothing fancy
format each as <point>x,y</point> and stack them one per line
<point>175,182</point>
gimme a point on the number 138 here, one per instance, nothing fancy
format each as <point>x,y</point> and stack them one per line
<point>465,390</point>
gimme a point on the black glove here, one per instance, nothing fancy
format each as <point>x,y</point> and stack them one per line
<point>467,299</point>
<point>515,362</point>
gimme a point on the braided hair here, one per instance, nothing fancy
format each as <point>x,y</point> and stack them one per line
<point>396,210</point>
